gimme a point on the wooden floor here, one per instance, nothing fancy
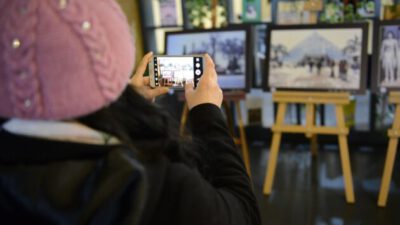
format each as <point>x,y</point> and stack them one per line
<point>309,191</point>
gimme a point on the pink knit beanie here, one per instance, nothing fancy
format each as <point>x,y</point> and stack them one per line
<point>61,59</point>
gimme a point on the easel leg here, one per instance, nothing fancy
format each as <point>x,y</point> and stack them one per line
<point>390,157</point>
<point>387,173</point>
<point>273,154</point>
<point>344,155</point>
<point>348,179</point>
<point>310,124</point>
<point>243,139</point>
<point>314,145</point>
<point>273,157</point>
<point>229,117</point>
<point>185,113</point>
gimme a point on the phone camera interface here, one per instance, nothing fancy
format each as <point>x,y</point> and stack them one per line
<point>176,71</point>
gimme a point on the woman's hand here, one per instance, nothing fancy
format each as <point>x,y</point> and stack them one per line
<point>142,84</point>
<point>207,90</point>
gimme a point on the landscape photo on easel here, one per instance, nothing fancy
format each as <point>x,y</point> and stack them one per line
<point>226,47</point>
<point>316,58</point>
<point>388,56</point>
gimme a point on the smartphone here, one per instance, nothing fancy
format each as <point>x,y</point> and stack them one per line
<point>175,71</point>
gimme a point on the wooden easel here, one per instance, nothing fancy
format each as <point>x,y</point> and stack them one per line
<point>394,135</point>
<point>310,99</point>
<point>235,98</point>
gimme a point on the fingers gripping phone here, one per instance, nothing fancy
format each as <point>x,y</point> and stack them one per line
<point>175,71</point>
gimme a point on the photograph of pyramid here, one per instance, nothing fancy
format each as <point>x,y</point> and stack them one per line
<point>328,59</point>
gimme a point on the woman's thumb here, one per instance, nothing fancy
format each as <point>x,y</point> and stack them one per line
<point>189,87</point>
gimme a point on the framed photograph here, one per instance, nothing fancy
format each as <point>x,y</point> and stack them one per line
<point>251,11</point>
<point>367,8</point>
<point>298,12</point>
<point>289,12</point>
<point>336,11</point>
<point>162,13</point>
<point>230,49</point>
<point>386,61</point>
<point>391,10</point>
<point>260,50</point>
<point>317,57</point>
<point>198,14</point>
<point>168,13</point>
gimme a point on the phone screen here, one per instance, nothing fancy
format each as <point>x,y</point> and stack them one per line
<point>175,71</point>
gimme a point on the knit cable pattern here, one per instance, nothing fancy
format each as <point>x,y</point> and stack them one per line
<point>95,41</point>
<point>19,39</point>
<point>2,4</point>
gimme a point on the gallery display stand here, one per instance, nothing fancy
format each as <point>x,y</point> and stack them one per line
<point>394,134</point>
<point>311,99</point>
<point>231,99</point>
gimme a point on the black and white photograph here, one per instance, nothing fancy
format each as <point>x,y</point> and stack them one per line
<point>260,49</point>
<point>311,57</point>
<point>387,56</point>
<point>226,47</point>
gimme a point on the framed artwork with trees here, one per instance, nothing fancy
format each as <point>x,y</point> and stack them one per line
<point>230,49</point>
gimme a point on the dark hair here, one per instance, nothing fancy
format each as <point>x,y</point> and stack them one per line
<point>144,127</point>
<point>2,121</point>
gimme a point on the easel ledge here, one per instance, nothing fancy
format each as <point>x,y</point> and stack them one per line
<point>228,96</point>
<point>394,97</point>
<point>342,98</point>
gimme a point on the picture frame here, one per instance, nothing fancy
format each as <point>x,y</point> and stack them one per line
<point>386,66</point>
<point>297,12</point>
<point>288,12</point>
<point>349,11</point>
<point>317,58</point>
<point>197,14</point>
<point>259,32</point>
<point>251,11</point>
<point>168,12</point>
<point>196,42</point>
<point>162,13</point>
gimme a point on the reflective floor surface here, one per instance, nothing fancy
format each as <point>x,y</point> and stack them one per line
<point>310,191</point>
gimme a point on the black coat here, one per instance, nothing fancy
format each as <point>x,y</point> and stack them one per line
<point>51,182</point>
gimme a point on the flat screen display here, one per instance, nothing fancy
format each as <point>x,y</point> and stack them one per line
<point>175,72</point>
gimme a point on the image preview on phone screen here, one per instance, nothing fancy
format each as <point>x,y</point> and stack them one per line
<point>176,71</point>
